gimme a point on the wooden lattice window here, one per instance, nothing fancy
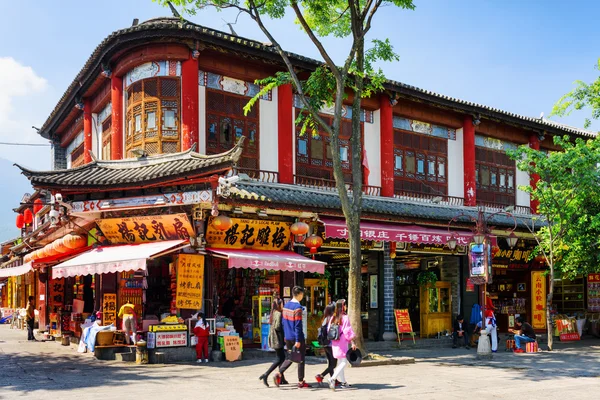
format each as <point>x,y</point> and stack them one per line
<point>153,116</point>
<point>106,134</point>
<point>313,151</point>
<point>77,156</point>
<point>226,124</point>
<point>495,176</point>
<point>420,164</point>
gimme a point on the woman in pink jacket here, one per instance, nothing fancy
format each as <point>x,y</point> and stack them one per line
<point>339,347</point>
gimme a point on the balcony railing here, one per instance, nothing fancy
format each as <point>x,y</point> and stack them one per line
<point>503,207</point>
<point>429,198</point>
<point>260,175</point>
<point>329,184</point>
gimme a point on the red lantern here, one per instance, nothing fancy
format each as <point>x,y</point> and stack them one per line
<point>299,228</point>
<point>27,217</point>
<point>20,221</point>
<point>222,223</point>
<point>73,241</point>
<point>37,205</point>
<point>313,242</point>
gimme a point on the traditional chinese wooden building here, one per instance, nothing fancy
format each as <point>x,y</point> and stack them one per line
<point>151,123</point>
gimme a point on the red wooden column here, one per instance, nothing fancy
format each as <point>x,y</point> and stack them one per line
<point>87,131</point>
<point>469,161</point>
<point>534,143</point>
<point>285,133</point>
<point>116,137</point>
<point>189,103</point>
<point>386,126</point>
<point>42,302</point>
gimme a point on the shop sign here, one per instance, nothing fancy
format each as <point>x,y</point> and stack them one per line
<point>373,291</point>
<point>250,234</point>
<point>151,340</point>
<point>56,298</point>
<point>190,281</point>
<point>470,285</point>
<point>232,347</point>
<point>403,324</point>
<point>431,248</point>
<point>344,244</point>
<point>149,228</point>
<point>594,278</point>
<point>569,337</point>
<point>480,263</point>
<point>538,300</point>
<point>109,309</point>
<point>162,200</point>
<point>171,339</point>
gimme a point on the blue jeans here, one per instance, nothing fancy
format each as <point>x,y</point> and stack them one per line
<point>522,339</point>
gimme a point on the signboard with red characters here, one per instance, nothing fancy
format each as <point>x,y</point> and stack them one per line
<point>171,339</point>
<point>569,337</point>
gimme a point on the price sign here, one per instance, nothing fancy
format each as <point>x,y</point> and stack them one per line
<point>403,324</point>
<point>109,309</point>
<point>569,337</point>
<point>190,279</point>
<point>171,339</point>
<point>232,348</point>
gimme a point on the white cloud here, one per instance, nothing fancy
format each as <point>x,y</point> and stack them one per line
<point>21,92</point>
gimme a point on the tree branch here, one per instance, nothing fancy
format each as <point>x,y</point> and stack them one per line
<point>371,15</point>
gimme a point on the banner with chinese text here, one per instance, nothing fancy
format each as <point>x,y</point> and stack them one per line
<point>190,281</point>
<point>538,300</point>
<point>151,228</point>
<point>403,323</point>
<point>56,298</point>
<point>109,309</point>
<point>250,234</point>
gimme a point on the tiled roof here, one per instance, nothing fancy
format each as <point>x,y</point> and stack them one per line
<point>145,171</point>
<point>169,28</point>
<point>309,199</point>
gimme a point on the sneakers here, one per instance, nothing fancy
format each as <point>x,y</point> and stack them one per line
<point>319,379</point>
<point>345,385</point>
<point>332,384</point>
<point>206,360</point>
<point>199,360</point>
<point>277,380</point>
<point>519,351</point>
<point>303,385</point>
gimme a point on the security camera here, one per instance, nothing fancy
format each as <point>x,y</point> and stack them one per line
<point>58,197</point>
<point>54,218</point>
<point>229,181</point>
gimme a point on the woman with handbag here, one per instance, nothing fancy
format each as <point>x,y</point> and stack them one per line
<point>326,343</point>
<point>341,335</point>
<point>276,340</point>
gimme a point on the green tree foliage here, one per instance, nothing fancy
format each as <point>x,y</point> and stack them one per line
<point>328,85</point>
<point>568,192</point>
<point>585,95</point>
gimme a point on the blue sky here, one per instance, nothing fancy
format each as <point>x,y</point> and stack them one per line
<point>520,56</point>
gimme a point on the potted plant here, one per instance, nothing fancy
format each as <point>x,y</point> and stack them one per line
<point>427,278</point>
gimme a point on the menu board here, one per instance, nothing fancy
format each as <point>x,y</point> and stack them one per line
<point>403,324</point>
<point>232,348</point>
<point>593,292</point>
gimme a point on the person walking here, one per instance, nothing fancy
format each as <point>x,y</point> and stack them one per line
<point>490,323</point>
<point>276,341</point>
<point>341,335</point>
<point>294,337</point>
<point>202,332</point>
<point>326,343</point>
<point>30,318</point>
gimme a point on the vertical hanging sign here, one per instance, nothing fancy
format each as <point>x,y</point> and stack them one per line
<point>109,309</point>
<point>538,300</point>
<point>190,281</point>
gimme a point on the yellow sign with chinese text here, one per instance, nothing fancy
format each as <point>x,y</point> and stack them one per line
<point>250,234</point>
<point>190,281</point>
<point>538,300</point>
<point>146,228</point>
<point>109,309</point>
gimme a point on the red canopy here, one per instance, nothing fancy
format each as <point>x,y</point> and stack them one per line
<point>269,260</point>
<point>389,232</point>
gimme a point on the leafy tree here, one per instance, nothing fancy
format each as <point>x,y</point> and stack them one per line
<point>328,85</point>
<point>585,95</point>
<point>568,193</point>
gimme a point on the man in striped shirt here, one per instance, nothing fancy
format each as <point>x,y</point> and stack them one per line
<point>294,336</point>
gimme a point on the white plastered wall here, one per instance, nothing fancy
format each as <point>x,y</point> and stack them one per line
<point>456,166</point>
<point>373,149</point>
<point>95,137</point>
<point>268,140</point>
<point>522,179</point>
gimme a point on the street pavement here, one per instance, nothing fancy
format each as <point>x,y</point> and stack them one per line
<point>47,370</point>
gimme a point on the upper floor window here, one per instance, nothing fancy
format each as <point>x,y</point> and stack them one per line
<point>104,129</point>
<point>420,164</point>
<point>495,176</point>
<point>153,112</point>
<point>226,124</point>
<point>314,152</point>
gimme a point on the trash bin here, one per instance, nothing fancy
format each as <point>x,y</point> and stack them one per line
<point>141,352</point>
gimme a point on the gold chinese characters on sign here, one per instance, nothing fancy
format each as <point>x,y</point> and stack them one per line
<point>538,300</point>
<point>190,280</point>
<point>109,309</point>
<point>250,234</point>
<point>151,228</point>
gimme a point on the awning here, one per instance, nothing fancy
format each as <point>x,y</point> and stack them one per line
<point>269,260</point>
<point>388,232</point>
<point>15,271</point>
<point>109,259</point>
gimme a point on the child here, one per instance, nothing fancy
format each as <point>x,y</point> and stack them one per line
<point>202,332</point>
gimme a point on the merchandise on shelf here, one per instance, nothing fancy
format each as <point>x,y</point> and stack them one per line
<point>593,291</point>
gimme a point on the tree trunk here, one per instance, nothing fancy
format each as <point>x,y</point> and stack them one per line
<point>549,307</point>
<point>355,281</point>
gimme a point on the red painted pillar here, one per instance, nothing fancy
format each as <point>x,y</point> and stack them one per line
<point>534,143</point>
<point>285,133</point>
<point>116,137</point>
<point>87,131</point>
<point>386,126</point>
<point>189,103</point>
<point>42,302</point>
<point>469,161</point>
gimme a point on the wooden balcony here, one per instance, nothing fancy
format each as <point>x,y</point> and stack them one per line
<point>329,184</point>
<point>260,175</point>
<point>521,210</point>
<point>429,198</point>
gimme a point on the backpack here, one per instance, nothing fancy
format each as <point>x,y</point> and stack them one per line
<point>322,336</point>
<point>334,332</point>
